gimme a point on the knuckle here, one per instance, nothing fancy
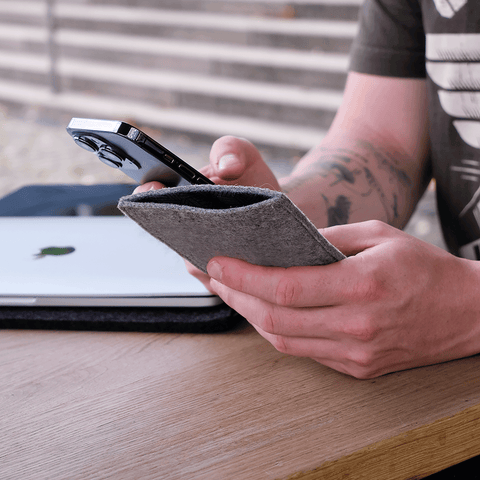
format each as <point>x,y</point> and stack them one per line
<point>288,292</point>
<point>363,329</point>
<point>378,228</point>
<point>238,282</point>
<point>373,286</point>
<point>281,344</point>
<point>363,362</point>
<point>267,322</point>
<point>364,374</point>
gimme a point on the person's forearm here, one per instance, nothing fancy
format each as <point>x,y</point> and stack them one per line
<point>353,180</point>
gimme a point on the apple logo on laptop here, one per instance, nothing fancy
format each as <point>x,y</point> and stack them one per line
<point>54,251</point>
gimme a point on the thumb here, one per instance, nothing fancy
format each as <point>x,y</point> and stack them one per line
<point>354,238</point>
<point>230,166</point>
<point>231,157</point>
<point>237,161</point>
<point>148,186</point>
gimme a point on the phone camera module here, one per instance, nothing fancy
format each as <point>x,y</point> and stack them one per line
<point>86,143</point>
<point>110,158</point>
<point>131,164</point>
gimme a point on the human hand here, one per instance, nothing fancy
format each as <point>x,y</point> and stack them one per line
<point>395,303</point>
<point>236,161</point>
<point>233,161</point>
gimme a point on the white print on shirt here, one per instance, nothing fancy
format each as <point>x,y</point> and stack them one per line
<point>448,8</point>
<point>453,63</point>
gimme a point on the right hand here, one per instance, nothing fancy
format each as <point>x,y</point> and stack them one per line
<point>236,161</point>
<point>233,161</point>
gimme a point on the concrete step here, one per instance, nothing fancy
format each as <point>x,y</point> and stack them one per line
<point>307,69</point>
<point>331,9</point>
<point>171,89</point>
<point>298,33</point>
<point>301,34</point>
<point>23,38</point>
<point>31,68</point>
<point>209,124</point>
<point>26,13</point>
<point>264,69</point>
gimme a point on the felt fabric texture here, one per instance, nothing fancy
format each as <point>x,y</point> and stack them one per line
<point>258,225</point>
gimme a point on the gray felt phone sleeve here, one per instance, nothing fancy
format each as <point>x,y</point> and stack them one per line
<point>257,225</point>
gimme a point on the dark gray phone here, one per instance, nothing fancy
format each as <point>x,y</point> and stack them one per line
<point>120,145</point>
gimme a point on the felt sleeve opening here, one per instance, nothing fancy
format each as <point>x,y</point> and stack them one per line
<point>215,199</point>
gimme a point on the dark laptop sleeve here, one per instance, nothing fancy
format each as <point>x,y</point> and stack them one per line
<point>40,200</point>
<point>180,320</point>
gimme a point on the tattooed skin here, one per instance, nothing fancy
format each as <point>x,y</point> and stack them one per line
<point>378,188</point>
<point>387,163</point>
<point>355,172</point>
<point>342,173</point>
<point>395,205</point>
<point>338,214</point>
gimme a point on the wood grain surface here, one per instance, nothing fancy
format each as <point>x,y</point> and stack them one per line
<point>86,405</point>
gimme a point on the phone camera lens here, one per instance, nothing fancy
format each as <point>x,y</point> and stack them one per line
<point>86,143</point>
<point>110,158</point>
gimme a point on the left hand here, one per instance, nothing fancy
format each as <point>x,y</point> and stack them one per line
<point>233,161</point>
<point>395,303</point>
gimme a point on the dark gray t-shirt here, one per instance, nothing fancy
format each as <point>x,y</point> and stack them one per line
<point>439,39</point>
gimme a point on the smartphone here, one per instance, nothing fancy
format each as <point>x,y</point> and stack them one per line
<point>120,145</point>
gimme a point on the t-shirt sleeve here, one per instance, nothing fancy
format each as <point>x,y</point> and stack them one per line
<point>391,39</point>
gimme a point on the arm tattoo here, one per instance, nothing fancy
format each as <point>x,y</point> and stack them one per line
<point>386,162</point>
<point>353,169</point>
<point>372,181</point>
<point>338,214</point>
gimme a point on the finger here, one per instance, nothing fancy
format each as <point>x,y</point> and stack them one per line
<point>210,172</point>
<point>336,355</point>
<point>149,186</point>
<point>237,161</point>
<point>313,333</point>
<point>199,275</point>
<point>344,357</point>
<point>326,285</point>
<point>334,323</point>
<point>230,157</point>
<point>353,238</point>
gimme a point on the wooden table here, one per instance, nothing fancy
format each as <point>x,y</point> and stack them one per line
<point>86,405</point>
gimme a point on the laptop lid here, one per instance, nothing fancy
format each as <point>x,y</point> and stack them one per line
<point>91,261</point>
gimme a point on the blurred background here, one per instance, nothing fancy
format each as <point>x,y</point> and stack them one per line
<point>185,71</point>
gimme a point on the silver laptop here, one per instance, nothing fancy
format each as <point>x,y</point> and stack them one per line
<point>91,261</point>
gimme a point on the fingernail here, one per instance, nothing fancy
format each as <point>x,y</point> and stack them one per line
<point>227,161</point>
<point>215,270</point>
<point>143,188</point>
